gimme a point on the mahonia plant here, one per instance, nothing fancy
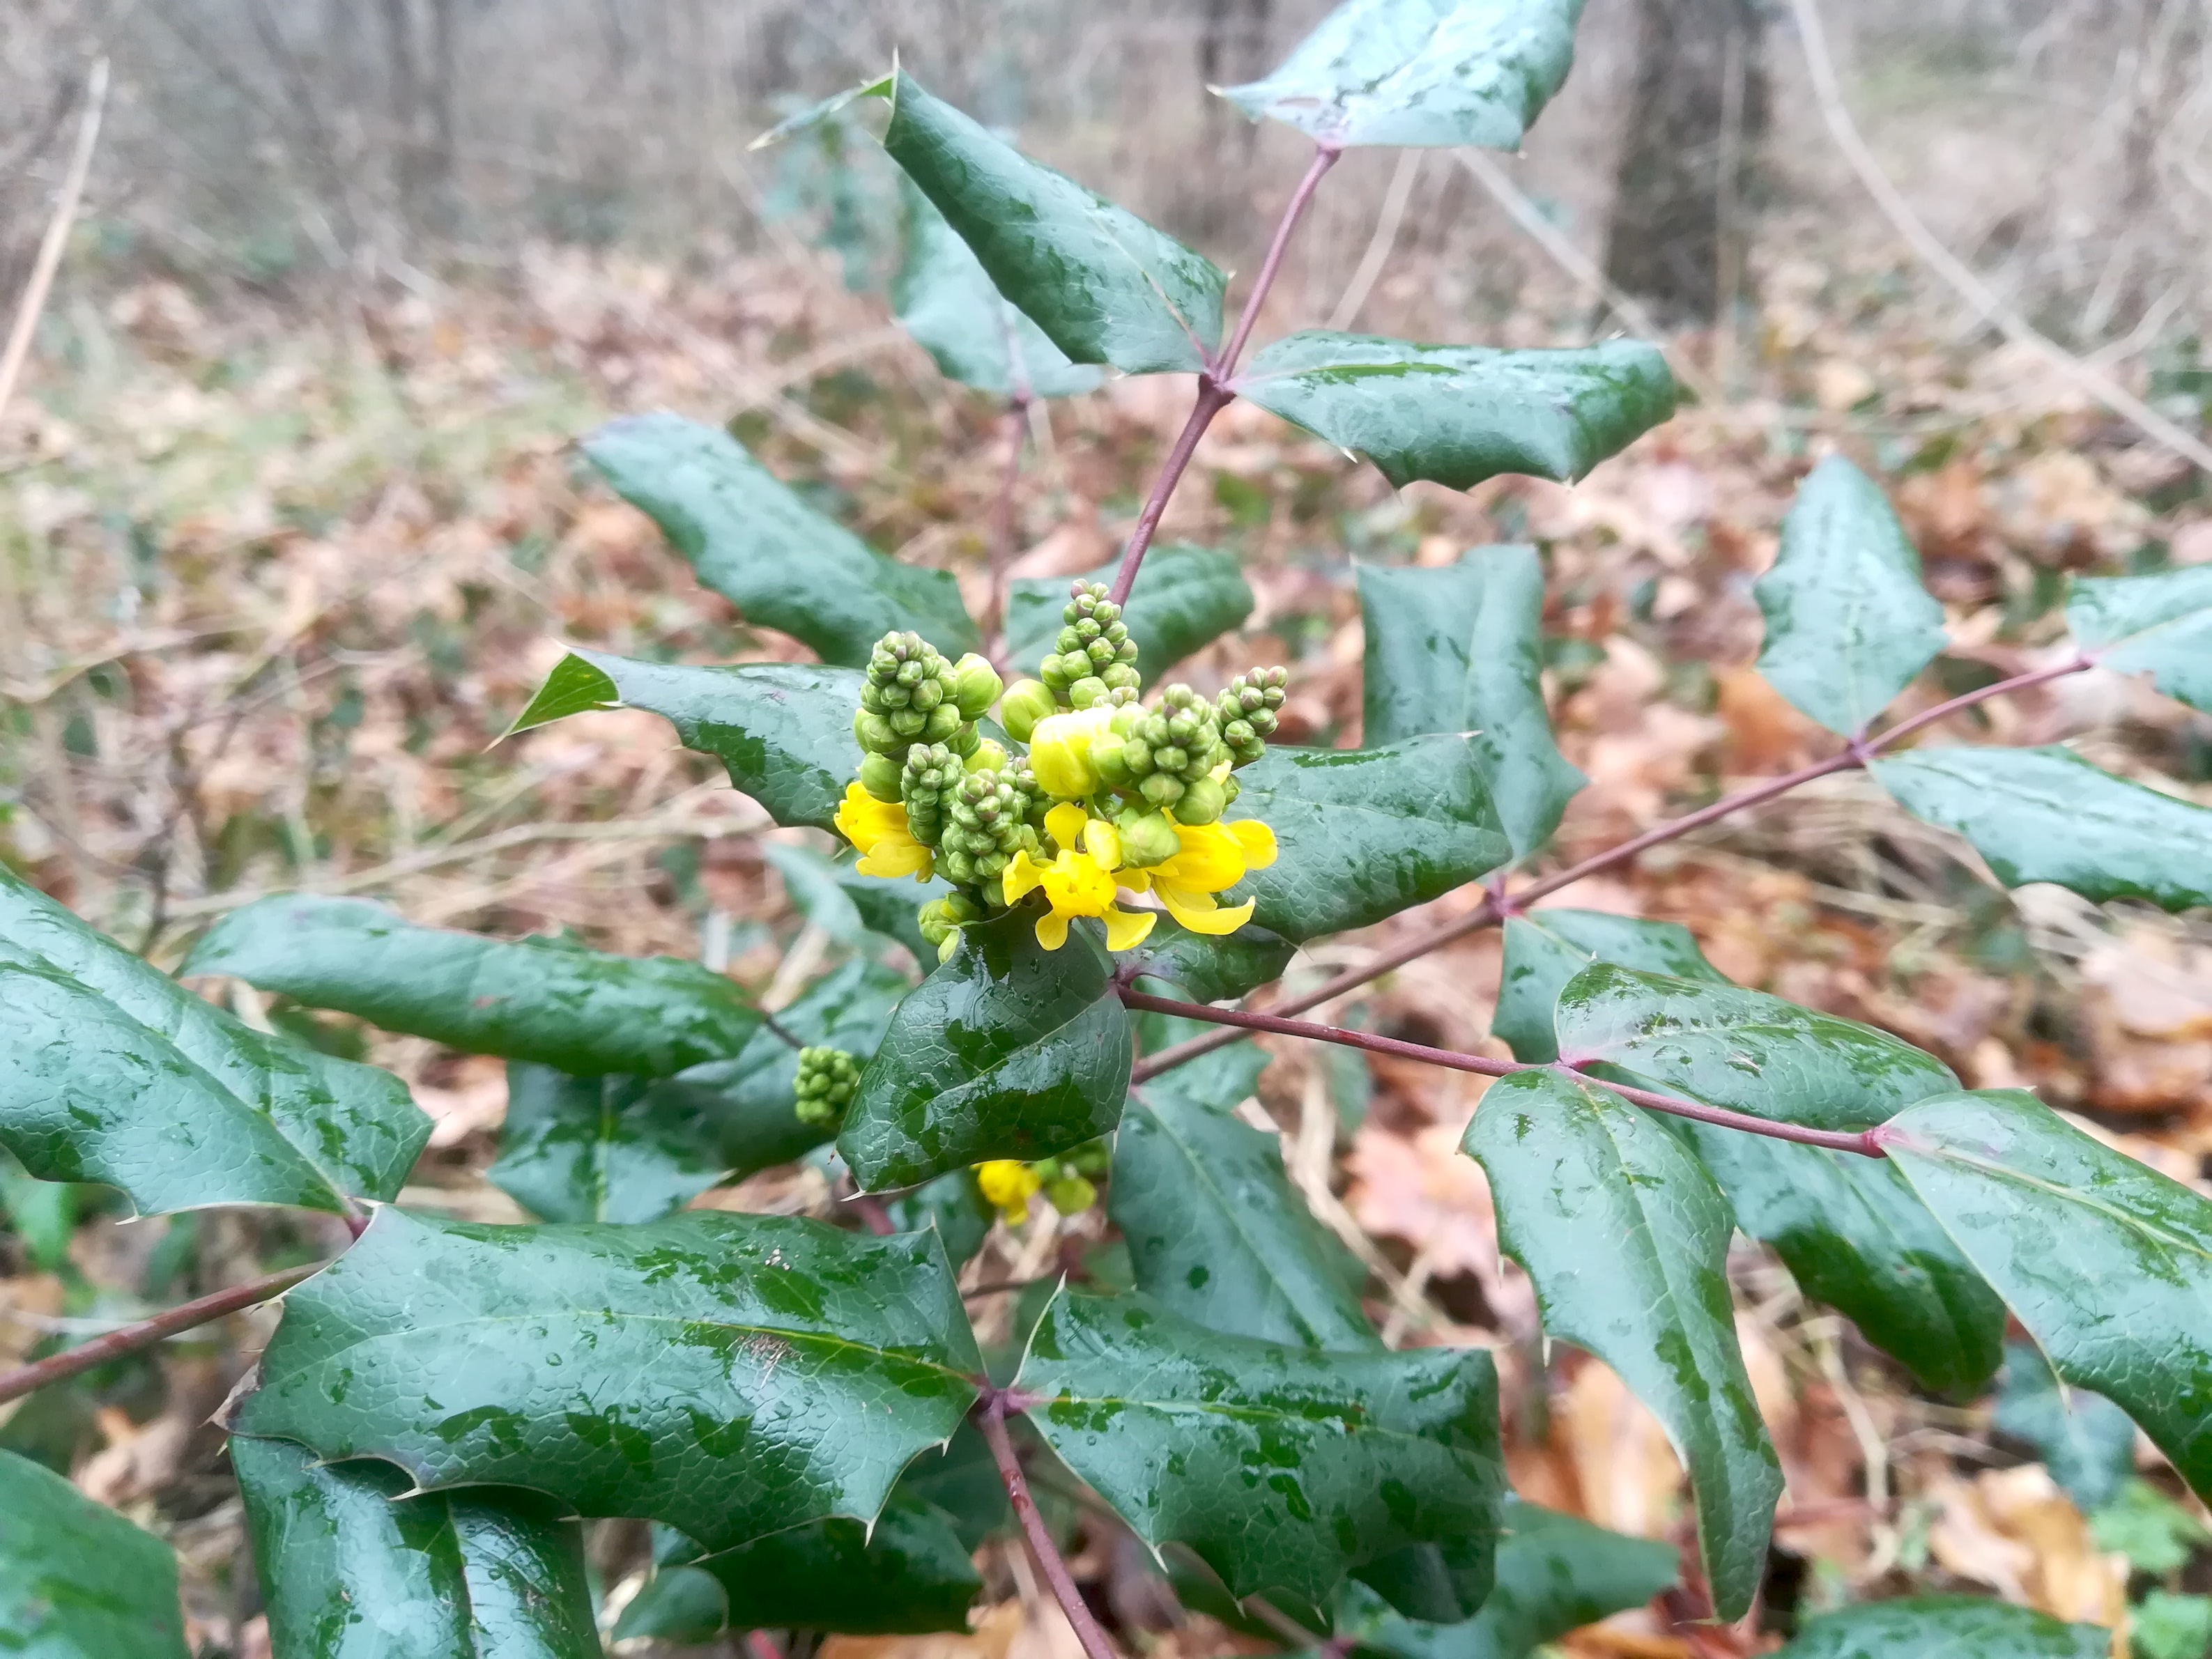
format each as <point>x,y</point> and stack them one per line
<point>800,1405</point>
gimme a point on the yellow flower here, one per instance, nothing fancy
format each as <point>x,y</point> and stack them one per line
<point>879,829</point>
<point>1080,881</point>
<point>1006,1184</point>
<point>1213,857</point>
<point>1060,752</point>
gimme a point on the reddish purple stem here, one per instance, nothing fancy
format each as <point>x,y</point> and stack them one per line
<point>991,1419</point>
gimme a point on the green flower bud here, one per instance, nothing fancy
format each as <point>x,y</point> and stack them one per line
<point>823,1087</point>
<point>1107,758</point>
<point>1162,789</point>
<point>1067,639</point>
<point>959,907</point>
<point>965,741</point>
<point>911,723</point>
<point>949,946</point>
<point>1171,759</point>
<point>988,757</point>
<point>875,736</point>
<point>1086,691</point>
<point>1026,703</point>
<point>1146,837</point>
<point>1121,676</point>
<point>942,722</point>
<point>1201,802</point>
<point>1138,755</point>
<point>928,695</point>
<point>975,685</point>
<point>879,776</point>
<point>932,922</point>
<point>1055,677</point>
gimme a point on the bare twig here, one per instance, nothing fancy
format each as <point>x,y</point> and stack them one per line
<point>1862,1143</point>
<point>56,242</point>
<point>147,1332</point>
<point>1003,524</point>
<point>1382,243</point>
<point>991,1419</point>
<point>1827,92</point>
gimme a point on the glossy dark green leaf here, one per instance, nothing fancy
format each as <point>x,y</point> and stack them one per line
<point>1850,1228</point>
<point>1185,597</point>
<point>755,542</point>
<point>2107,1263</point>
<point>2159,625</point>
<point>2048,815</point>
<point>732,1375</point>
<point>1946,1627</point>
<point>111,1071</point>
<point>1742,1049</point>
<point>76,1580</point>
<point>602,1148</point>
<point>810,881</point>
<point>1848,621</point>
<point>1362,834</point>
<point>1209,967</point>
<point>954,1204</point>
<point>1458,414</point>
<point>784,730</point>
<point>547,1000</point>
<point>351,1570</point>
<point>574,687</point>
<point>1282,1469</point>
<point>1544,948</point>
<point>891,905</point>
<point>1103,285</point>
<point>1459,649</point>
<point>944,298</point>
<point>1626,1237</point>
<point>907,1575</point>
<point>1421,72</point>
<point>1008,1050</point>
<point>1216,1232</point>
<point>2087,1442</point>
<point>1555,1573</point>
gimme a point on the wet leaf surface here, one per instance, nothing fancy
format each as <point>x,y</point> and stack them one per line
<point>2159,625</point>
<point>76,1580</point>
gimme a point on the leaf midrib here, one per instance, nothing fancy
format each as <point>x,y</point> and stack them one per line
<point>2022,1177</point>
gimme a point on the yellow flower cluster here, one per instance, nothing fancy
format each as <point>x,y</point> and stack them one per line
<point>1087,875</point>
<point>879,829</point>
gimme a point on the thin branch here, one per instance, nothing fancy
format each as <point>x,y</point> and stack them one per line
<point>1382,244</point>
<point>1496,907</point>
<point>1003,524</point>
<point>1828,94</point>
<point>991,1419</point>
<point>1324,159</point>
<point>148,1332</point>
<point>56,240</point>
<point>1862,1143</point>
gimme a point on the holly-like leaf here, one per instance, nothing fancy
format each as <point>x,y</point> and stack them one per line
<point>1421,72</point>
<point>112,1072</point>
<point>351,1570</point>
<point>1555,1573</point>
<point>907,1575</point>
<point>955,1206</point>
<point>2107,1263</point>
<point>546,1001</point>
<point>783,731</point>
<point>574,687</point>
<point>1626,1237</point>
<point>2159,625</point>
<point>1459,649</point>
<point>76,1580</point>
<point>1185,597</point>
<point>1848,621</point>
<point>1008,1050</point>
<point>755,542</point>
<point>1848,1228</point>
<point>732,1375</point>
<point>1458,414</point>
<point>1282,1469</point>
<point>2048,815</point>
<point>1103,285</point>
<point>1209,967</point>
<point>944,298</point>
<point>2087,1442</point>
<point>602,1148</point>
<point>1946,1627</point>
<point>1362,834</point>
<point>1216,1232</point>
<point>1544,948</point>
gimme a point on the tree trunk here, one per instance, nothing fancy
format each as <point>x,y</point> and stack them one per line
<point>1698,108</point>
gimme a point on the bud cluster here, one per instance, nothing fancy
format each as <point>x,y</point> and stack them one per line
<point>988,822</point>
<point>1246,709</point>
<point>931,772</point>
<point>827,1077</point>
<point>913,696</point>
<point>1092,657</point>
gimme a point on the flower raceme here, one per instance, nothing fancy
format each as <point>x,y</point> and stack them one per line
<point>1085,876</point>
<point>1214,857</point>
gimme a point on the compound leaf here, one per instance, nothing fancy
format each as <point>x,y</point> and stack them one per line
<point>2107,1263</point>
<point>1946,1627</point>
<point>1459,649</point>
<point>76,1580</point>
<point>546,1001</point>
<point>2159,625</point>
<point>1282,1469</point>
<point>2048,815</point>
<point>351,1568</point>
<point>731,1376</point>
<point>1421,72</point>
<point>2087,1442</point>
<point>755,542</point>
<point>1848,621</point>
<point>1103,285</point>
<point>112,1072</point>
<point>1008,1050</point>
<point>1362,834</point>
<point>1185,597</point>
<point>1626,1237</point>
<point>1458,414</point>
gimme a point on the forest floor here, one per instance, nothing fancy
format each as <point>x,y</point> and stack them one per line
<point>279,588</point>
